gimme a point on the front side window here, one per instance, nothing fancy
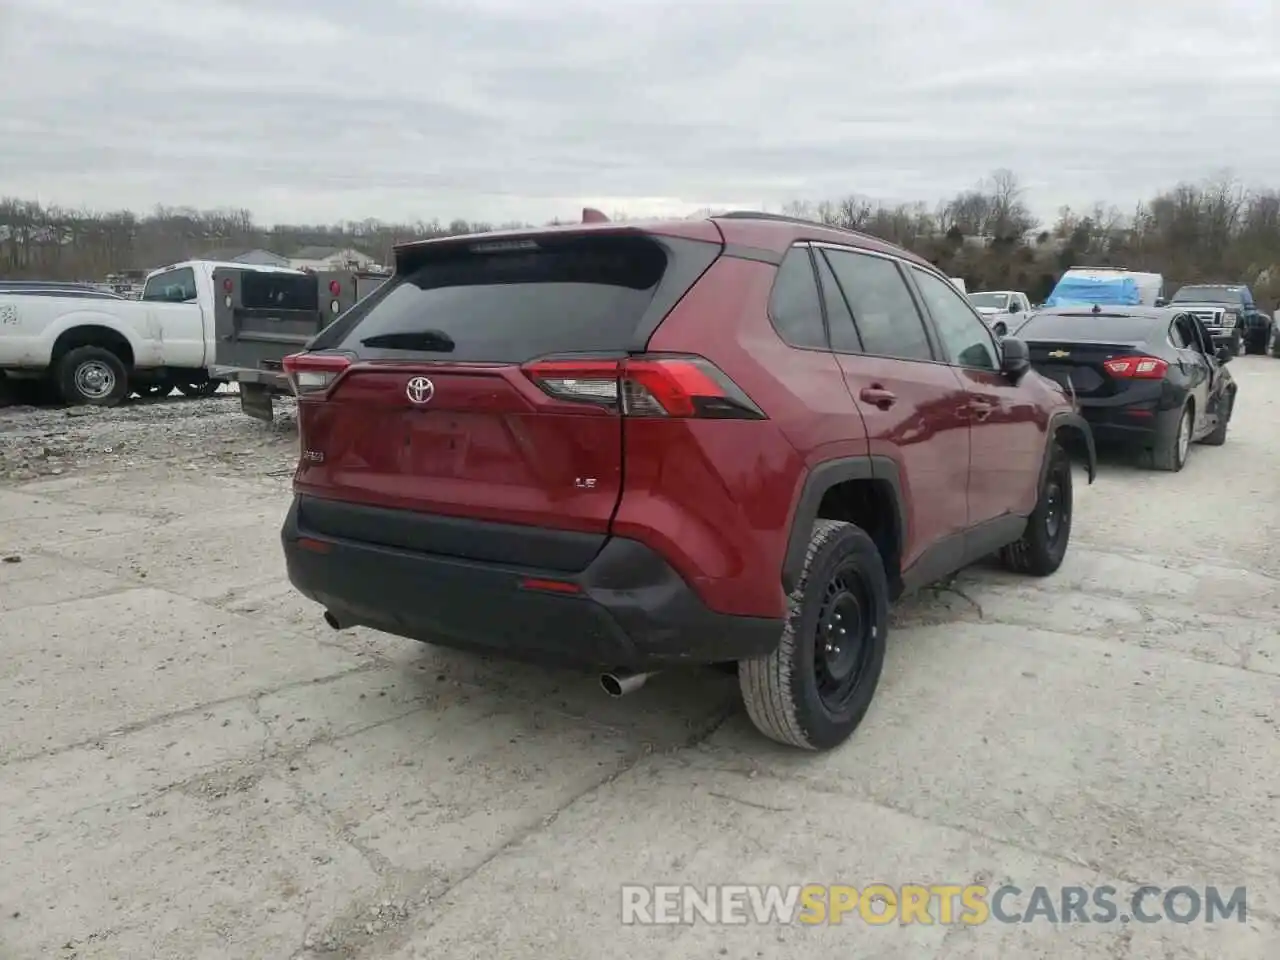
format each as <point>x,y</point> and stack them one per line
<point>884,313</point>
<point>965,338</point>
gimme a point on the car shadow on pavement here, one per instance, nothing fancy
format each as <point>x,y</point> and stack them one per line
<point>674,707</point>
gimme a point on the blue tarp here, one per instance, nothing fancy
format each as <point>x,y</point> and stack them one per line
<point>1086,291</point>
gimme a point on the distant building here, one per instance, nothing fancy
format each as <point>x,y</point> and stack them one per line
<point>331,258</point>
<point>261,258</point>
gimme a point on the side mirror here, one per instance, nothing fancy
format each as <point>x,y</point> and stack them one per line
<point>1015,358</point>
<point>1161,302</point>
<point>1014,308</point>
<point>1223,353</point>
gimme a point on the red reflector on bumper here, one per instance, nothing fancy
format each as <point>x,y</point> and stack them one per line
<point>550,586</point>
<point>315,546</point>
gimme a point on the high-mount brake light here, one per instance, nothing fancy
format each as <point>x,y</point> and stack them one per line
<point>313,372</point>
<point>1137,368</point>
<point>335,288</point>
<point>227,285</point>
<point>646,386</point>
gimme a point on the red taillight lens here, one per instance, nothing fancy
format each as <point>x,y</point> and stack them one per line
<point>646,386</point>
<point>227,285</point>
<point>313,372</point>
<point>335,288</point>
<point>1137,368</point>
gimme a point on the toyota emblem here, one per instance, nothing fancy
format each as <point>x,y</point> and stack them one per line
<point>420,390</point>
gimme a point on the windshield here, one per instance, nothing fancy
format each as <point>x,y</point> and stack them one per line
<point>997,301</point>
<point>1207,295</point>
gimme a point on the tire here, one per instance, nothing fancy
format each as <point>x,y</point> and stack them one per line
<point>150,391</point>
<point>783,692</point>
<point>1274,346</point>
<point>1256,343</point>
<point>1170,453</point>
<point>1219,435</point>
<point>92,376</point>
<point>205,388</point>
<point>1043,545</point>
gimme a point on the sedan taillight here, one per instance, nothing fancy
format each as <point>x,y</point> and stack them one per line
<point>1137,368</point>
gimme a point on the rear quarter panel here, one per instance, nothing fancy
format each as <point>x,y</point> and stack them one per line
<point>717,496</point>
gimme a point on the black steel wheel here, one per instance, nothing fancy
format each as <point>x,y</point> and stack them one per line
<point>1043,544</point>
<point>814,689</point>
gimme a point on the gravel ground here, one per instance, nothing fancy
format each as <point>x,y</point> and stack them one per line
<point>193,767</point>
<point>177,433</point>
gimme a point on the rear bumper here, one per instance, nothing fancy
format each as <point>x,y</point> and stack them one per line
<point>274,380</point>
<point>631,609</point>
<point>1139,422</point>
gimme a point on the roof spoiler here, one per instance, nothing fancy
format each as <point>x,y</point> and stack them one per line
<point>592,215</point>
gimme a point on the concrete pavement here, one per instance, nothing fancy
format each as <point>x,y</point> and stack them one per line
<point>193,766</point>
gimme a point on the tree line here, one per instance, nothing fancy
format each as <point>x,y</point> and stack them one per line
<point>1217,231</point>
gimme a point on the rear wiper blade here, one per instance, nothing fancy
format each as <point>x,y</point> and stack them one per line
<point>436,341</point>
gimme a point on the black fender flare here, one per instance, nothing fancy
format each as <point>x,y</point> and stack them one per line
<point>1073,423</point>
<point>817,482</point>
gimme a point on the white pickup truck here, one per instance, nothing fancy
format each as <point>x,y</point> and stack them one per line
<point>1003,310</point>
<point>99,350</point>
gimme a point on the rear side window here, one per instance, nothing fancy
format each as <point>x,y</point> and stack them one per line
<point>794,306</point>
<point>844,335</point>
<point>511,302</point>
<point>883,310</point>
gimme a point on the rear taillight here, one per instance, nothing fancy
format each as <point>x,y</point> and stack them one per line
<point>1137,368</point>
<point>313,372</point>
<point>646,386</point>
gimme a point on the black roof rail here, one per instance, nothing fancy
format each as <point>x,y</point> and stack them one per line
<point>1097,267</point>
<point>796,221</point>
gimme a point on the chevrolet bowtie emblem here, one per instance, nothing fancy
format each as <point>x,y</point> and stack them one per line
<point>1056,354</point>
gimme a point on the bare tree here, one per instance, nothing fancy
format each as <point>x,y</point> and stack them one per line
<point>1212,231</point>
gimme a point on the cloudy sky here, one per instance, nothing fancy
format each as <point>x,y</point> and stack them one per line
<point>304,110</point>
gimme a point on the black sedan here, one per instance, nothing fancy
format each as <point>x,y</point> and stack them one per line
<point>1144,376</point>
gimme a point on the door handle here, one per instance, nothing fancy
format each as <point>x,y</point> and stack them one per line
<point>878,396</point>
<point>980,409</point>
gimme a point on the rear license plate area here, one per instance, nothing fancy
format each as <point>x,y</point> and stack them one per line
<point>435,443</point>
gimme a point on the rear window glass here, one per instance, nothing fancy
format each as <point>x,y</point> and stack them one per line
<point>1088,326</point>
<point>278,291</point>
<point>509,305</point>
<point>175,286</point>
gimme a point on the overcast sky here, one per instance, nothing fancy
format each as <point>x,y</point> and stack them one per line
<point>305,111</point>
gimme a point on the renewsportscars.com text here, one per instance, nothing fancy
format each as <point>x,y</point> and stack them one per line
<point>968,904</point>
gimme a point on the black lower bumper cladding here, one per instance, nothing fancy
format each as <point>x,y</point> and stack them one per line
<point>627,609</point>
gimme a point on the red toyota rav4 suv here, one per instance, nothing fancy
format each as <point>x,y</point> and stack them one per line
<point>720,441</point>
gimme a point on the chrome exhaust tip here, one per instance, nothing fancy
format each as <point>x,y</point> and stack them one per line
<point>620,684</point>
